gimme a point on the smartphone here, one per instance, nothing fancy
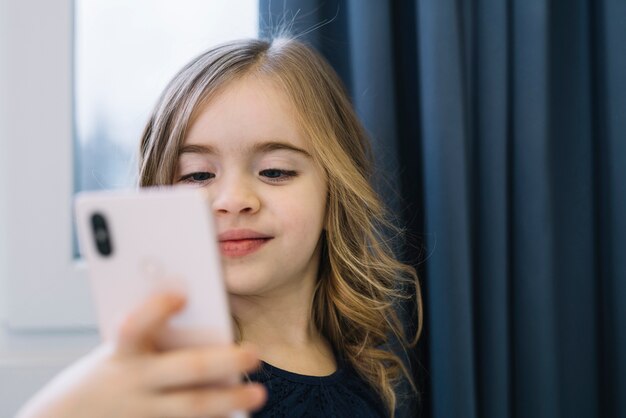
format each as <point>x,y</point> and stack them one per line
<point>140,242</point>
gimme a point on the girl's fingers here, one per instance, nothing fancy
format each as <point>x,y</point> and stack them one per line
<point>139,329</point>
<point>209,402</point>
<point>198,366</point>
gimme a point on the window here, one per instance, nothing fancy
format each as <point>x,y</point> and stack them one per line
<point>126,52</point>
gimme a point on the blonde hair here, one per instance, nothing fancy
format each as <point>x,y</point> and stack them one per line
<point>360,280</point>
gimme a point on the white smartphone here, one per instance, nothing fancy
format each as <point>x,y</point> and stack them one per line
<point>140,242</point>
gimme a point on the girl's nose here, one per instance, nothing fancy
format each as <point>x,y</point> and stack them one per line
<point>235,196</point>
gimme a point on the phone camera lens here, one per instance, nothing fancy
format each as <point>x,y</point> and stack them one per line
<point>101,234</point>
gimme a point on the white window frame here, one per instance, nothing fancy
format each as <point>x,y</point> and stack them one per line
<point>43,287</point>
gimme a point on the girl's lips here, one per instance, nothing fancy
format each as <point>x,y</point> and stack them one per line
<point>241,234</point>
<point>241,247</point>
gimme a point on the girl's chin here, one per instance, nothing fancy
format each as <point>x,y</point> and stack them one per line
<point>238,288</point>
<point>243,280</point>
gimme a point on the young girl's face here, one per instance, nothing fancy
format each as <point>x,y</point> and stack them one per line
<point>268,196</point>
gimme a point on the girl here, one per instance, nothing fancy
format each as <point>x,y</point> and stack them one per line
<point>267,129</point>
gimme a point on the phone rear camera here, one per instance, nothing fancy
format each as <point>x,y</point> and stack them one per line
<point>101,234</point>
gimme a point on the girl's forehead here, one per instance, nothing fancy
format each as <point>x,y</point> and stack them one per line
<point>245,110</point>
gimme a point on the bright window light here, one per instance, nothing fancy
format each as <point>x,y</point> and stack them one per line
<point>125,53</point>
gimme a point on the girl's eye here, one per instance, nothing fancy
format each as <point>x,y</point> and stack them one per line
<point>275,174</point>
<point>199,177</point>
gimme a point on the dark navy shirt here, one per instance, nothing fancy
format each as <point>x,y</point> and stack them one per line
<point>341,394</point>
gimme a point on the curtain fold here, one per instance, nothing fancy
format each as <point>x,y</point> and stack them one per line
<point>503,126</point>
<point>445,142</point>
<point>491,182</point>
<point>610,184</point>
<point>533,326</point>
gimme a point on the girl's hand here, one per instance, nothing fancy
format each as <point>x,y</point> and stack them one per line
<point>131,379</point>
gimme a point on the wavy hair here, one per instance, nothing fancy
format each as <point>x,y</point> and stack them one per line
<point>361,282</point>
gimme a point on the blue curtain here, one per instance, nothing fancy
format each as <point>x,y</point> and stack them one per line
<point>502,125</point>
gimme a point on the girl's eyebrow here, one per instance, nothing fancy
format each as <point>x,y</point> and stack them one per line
<point>257,148</point>
<point>265,147</point>
<point>196,149</point>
